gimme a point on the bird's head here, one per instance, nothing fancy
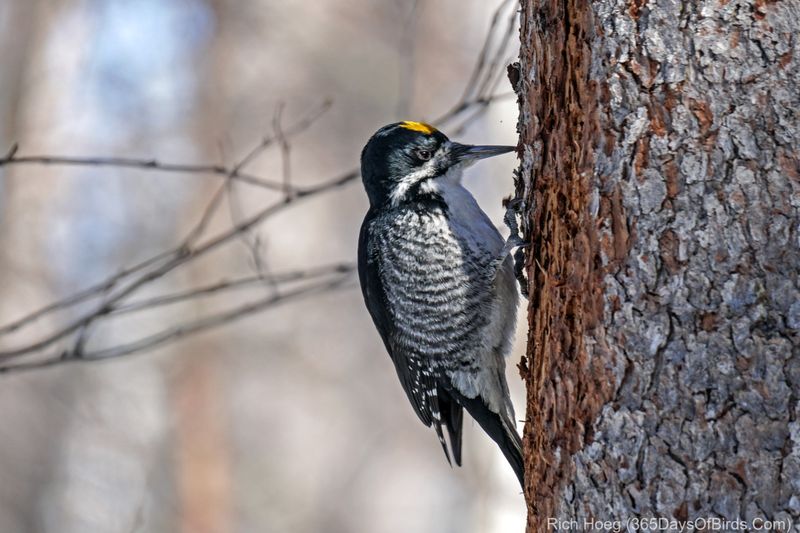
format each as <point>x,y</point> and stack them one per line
<point>402,161</point>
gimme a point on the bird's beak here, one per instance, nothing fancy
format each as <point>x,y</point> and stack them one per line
<point>468,153</point>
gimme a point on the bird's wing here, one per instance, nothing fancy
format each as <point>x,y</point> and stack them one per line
<point>476,227</point>
<point>411,377</point>
<point>432,404</point>
<point>499,427</point>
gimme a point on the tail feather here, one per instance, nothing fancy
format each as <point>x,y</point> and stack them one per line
<point>437,403</point>
<point>499,428</point>
<point>453,419</point>
<point>437,425</point>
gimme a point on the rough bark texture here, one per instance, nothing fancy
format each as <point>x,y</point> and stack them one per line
<point>661,170</point>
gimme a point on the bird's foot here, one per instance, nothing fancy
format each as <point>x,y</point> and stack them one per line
<point>515,240</point>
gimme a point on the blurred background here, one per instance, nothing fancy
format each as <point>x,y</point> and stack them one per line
<point>290,419</point>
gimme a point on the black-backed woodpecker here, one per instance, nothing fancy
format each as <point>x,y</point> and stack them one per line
<point>439,283</point>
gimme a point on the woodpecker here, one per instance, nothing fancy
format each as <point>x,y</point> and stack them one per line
<point>439,283</point>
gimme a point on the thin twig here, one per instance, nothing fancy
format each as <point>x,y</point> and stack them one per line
<point>283,142</point>
<point>155,165</point>
<point>90,292</point>
<point>155,340</point>
<point>139,164</point>
<point>12,151</point>
<point>224,286</point>
<point>205,217</point>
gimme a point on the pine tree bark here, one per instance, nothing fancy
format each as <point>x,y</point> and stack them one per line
<point>661,172</point>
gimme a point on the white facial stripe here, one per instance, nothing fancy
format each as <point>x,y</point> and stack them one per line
<point>400,191</point>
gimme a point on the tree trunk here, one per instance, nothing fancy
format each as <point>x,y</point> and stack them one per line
<point>661,171</point>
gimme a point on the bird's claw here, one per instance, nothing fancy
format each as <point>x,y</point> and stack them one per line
<point>510,218</point>
<point>514,204</point>
<point>512,210</point>
<point>515,240</point>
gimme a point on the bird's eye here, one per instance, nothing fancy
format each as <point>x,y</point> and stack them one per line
<point>423,155</point>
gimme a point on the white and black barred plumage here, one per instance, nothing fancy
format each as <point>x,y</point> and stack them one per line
<point>439,284</point>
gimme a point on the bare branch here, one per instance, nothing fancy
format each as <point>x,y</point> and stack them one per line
<point>112,281</point>
<point>139,164</point>
<point>231,285</point>
<point>235,172</point>
<point>179,256</point>
<point>157,339</point>
<point>86,294</point>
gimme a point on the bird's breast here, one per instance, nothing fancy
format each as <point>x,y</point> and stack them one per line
<point>438,285</point>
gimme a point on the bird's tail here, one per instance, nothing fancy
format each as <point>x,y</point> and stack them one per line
<point>511,446</point>
<point>500,429</point>
<point>453,415</point>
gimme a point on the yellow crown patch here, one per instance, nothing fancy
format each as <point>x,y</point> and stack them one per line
<point>427,129</point>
